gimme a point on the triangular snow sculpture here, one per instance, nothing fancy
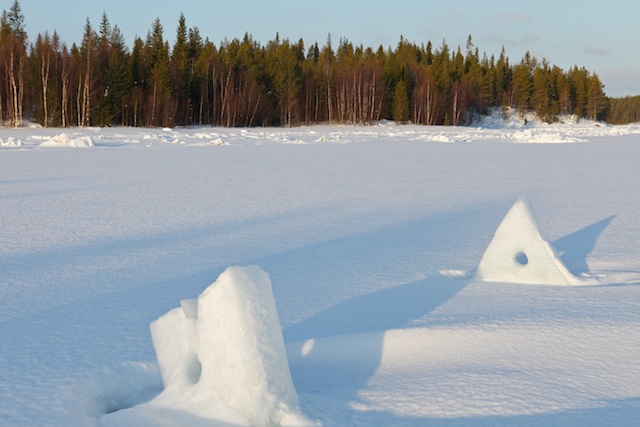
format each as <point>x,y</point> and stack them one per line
<point>519,254</point>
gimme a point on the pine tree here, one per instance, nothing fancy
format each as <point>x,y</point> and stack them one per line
<point>400,103</point>
<point>86,71</point>
<point>284,68</point>
<point>578,80</point>
<point>540,98</point>
<point>179,72</point>
<point>16,21</point>
<point>138,72</point>
<point>104,109</point>
<point>14,53</point>
<point>326,61</point>
<point>118,80</point>
<point>522,86</point>
<point>597,102</point>
<point>156,56</point>
<point>195,77</point>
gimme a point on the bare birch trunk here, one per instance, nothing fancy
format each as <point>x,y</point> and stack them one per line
<point>44,74</point>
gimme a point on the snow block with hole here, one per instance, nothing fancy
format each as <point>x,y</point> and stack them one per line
<point>519,254</point>
<point>227,346</point>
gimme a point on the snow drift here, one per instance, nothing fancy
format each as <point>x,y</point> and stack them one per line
<point>371,239</point>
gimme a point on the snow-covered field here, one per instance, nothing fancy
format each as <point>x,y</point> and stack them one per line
<point>371,237</point>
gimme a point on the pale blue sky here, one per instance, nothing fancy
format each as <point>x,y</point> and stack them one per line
<point>601,36</point>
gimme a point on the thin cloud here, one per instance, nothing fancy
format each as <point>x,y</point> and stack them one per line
<point>596,51</point>
<point>529,39</point>
<point>513,17</point>
<point>450,15</point>
<point>619,82</point>
<point>454,17</point>
<point>524,41</point>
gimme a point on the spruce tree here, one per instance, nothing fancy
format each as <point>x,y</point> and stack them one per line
<point>179,72</point>
<point>400,103</point>
<point>597,102</point>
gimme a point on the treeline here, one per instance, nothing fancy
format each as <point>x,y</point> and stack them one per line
<point>625,110</point>
<point>102,82</point>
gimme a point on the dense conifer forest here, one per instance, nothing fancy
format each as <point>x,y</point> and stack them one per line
<point>624,110</point>
<point>193,81</point>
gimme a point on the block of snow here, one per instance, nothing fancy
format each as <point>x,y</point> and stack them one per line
<point>10,142</point>
<point>219,141</point>
<point>519,254</point>
<point>227,346</point>
<point>66,140</point>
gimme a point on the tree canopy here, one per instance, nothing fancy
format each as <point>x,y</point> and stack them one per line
<point>193,81</point>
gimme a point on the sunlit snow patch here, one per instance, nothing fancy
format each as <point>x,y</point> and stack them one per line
<point>455,274</point>
<point>519,254</point>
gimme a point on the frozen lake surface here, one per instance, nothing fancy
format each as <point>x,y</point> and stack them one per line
<point>371,237</point>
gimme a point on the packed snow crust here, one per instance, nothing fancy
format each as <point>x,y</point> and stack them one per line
<point>371,237</point>
<point>499,126</point>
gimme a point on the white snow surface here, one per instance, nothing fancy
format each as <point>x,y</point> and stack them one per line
<point>371,237</point>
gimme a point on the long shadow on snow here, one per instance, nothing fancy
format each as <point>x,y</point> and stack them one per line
<point>114,323</point>
<point>336,351</point>
<point>312,343</point>
<point>574,248</point>
<point>386,309</point>
<point>368,315</point>
<point>357,327</point>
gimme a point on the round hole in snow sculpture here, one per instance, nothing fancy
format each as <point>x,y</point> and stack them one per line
<point>521,258</point>
<point>194,370</point>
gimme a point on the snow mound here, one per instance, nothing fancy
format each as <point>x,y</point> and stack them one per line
<point>519,254</point>
<point>219,141</point>
<point>331,137</point>
<point>293,141</point>
<point>225,348</point>
<point>66,140</point>
<point>531,136</point>
<point>439,138</point>
<point>509,118</point>
<point>10,142</point>
<point>210,138</point>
